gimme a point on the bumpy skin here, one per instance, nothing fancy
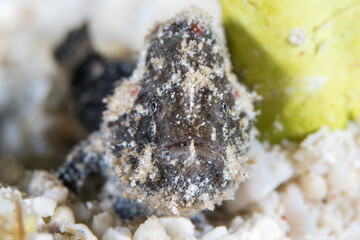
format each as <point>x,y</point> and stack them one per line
<point>174,134</point>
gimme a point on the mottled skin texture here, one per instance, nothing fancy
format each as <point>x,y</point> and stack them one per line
<point>174,135</point>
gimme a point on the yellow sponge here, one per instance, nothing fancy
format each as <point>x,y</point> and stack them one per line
<point>303,57</point>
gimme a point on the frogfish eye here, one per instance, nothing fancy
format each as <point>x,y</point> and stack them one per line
<point>225,108</point>
<point>153,106</point>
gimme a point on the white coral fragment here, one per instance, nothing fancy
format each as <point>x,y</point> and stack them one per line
<point>151,229</point>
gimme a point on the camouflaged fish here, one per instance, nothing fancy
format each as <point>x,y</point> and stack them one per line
<point>175,133</point>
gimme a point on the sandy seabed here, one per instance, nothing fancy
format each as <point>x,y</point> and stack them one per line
<point>298,191</point>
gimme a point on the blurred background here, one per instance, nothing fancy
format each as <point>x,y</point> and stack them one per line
<point>38,123</point>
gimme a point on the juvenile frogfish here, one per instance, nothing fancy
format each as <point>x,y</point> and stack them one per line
<point>175,134</point>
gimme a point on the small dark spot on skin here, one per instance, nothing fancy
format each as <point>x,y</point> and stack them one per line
<point>242,114</point>
<point>133,161</point>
